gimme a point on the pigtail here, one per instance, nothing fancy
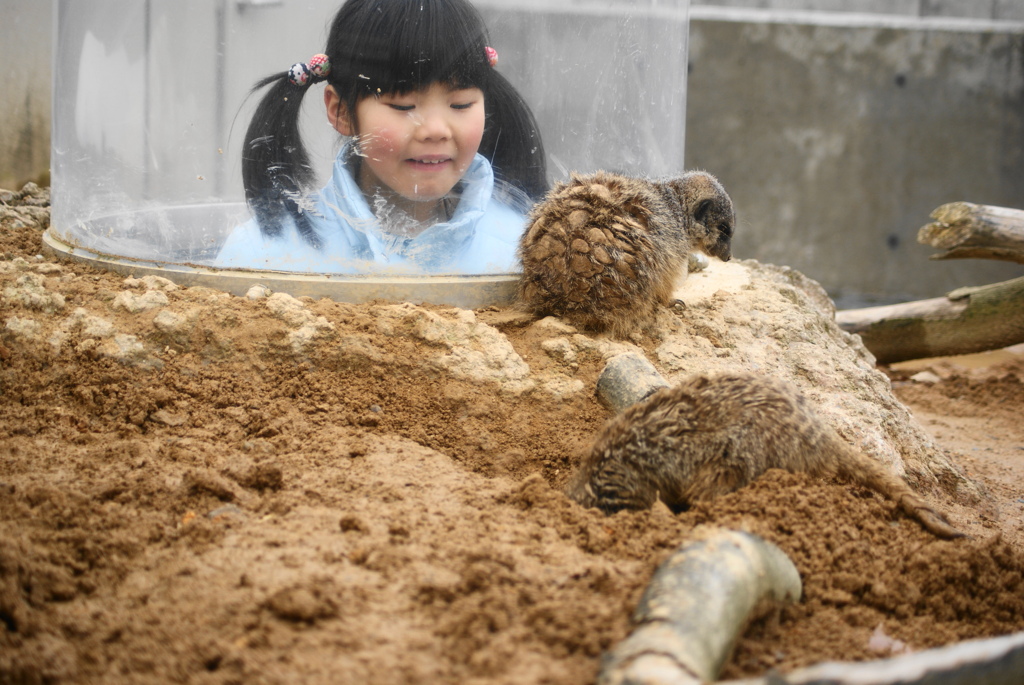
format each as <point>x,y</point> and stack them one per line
<point>512,140</point>
<point>276,171</point>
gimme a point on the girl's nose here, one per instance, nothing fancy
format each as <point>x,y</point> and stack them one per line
<point>432,125</point>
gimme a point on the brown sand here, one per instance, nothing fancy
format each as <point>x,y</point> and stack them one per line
<point>238,514</point>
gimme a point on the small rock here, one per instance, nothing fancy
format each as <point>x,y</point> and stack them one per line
<point>258,292</point>
<point>26,329</point>
<point>563,388</point>
<point>167,321</point>
<point>553,325</point>
<point>227,512</point>
<point>139,303</point>
<point>124,347</point>
<point>926,377</point>
<point>30,291</point>
<point>697,261</point>
<point>300,604</point>
<point>290,310</point>
<point>627,379</point>
<point>560,348</point>
<point>48,269</point>
<point>160,283</point>
<point>881,643</point>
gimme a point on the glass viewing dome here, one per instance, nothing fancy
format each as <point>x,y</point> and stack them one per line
<point>151,103</point>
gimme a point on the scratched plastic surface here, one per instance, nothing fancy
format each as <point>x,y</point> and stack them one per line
<point>151,104</point>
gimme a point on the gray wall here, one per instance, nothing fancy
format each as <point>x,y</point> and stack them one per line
<point>838,135</point>
<point>25,96</point>
<point>975,9</point>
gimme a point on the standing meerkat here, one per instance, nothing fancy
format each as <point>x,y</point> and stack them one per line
<point>711,435</point>
<point>603,251</point>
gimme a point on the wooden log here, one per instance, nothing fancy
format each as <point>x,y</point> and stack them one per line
<point>965,230</point>
<point>966,320</point>
<point>696,606</point>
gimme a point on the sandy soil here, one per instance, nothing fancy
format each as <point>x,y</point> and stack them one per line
<point>231,512</point>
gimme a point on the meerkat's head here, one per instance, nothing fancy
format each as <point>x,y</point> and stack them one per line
<point>711,213</point>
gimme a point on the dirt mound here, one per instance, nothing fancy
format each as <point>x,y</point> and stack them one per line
<point>198,487</point>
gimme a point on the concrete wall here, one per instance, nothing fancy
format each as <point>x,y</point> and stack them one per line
<point>838,134</point>
<point>25,58</point>
<point>975,9</point>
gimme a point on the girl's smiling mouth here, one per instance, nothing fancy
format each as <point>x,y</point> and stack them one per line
<point>430,161</point>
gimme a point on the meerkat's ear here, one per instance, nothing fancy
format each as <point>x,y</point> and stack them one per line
<point>337,113</point>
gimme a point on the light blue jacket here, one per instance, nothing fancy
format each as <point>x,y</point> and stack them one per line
<point>481,236</point>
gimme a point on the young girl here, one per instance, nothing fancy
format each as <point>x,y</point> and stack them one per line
<point>443,156</point>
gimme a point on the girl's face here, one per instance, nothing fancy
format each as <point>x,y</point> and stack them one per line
<point>417,145</point>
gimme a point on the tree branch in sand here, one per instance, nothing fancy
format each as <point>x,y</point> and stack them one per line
<point>966,230</point>
<point>964,321</point>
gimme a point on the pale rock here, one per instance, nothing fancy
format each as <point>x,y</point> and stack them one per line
<point>751,317</point>
<point>48,269</point>
<point>258,292</point>
<point>124,348</point>
<point>606,347</point>
<point>467,348</point>
<point>169,322</point>
<point>467,316</point>
<point>552,325</point>
<point>30,291</point>
<point>14,217</point>
<point>135,304</point>
<point>26,329</point>
<point>294,313</point>
<point>562,387</point>
<point>151,283</point>
<point>302,336</point>
<point>83,323</point>
<point>927,377</point>
<point>308,326</point>
<point>16,264</point>
<point>93,326</point>
<point>561,349</point>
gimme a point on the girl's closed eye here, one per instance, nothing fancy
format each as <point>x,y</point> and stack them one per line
<point>463,99</point>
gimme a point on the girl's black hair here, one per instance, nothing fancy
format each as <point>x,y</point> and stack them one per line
<point>388,47</point>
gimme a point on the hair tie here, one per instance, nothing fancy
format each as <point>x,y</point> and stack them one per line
<point>302,74</point>
<point>492,56</point>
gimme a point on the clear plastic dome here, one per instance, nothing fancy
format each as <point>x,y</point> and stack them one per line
<point>151,102</point>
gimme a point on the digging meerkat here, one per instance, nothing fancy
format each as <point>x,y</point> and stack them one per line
<point>713,434</point>
<point>603,251</point>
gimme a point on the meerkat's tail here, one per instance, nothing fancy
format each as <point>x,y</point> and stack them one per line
<point>862,469</point>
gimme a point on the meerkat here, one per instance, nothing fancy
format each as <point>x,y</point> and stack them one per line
<point>603,251</point>
<point>713,434</point>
